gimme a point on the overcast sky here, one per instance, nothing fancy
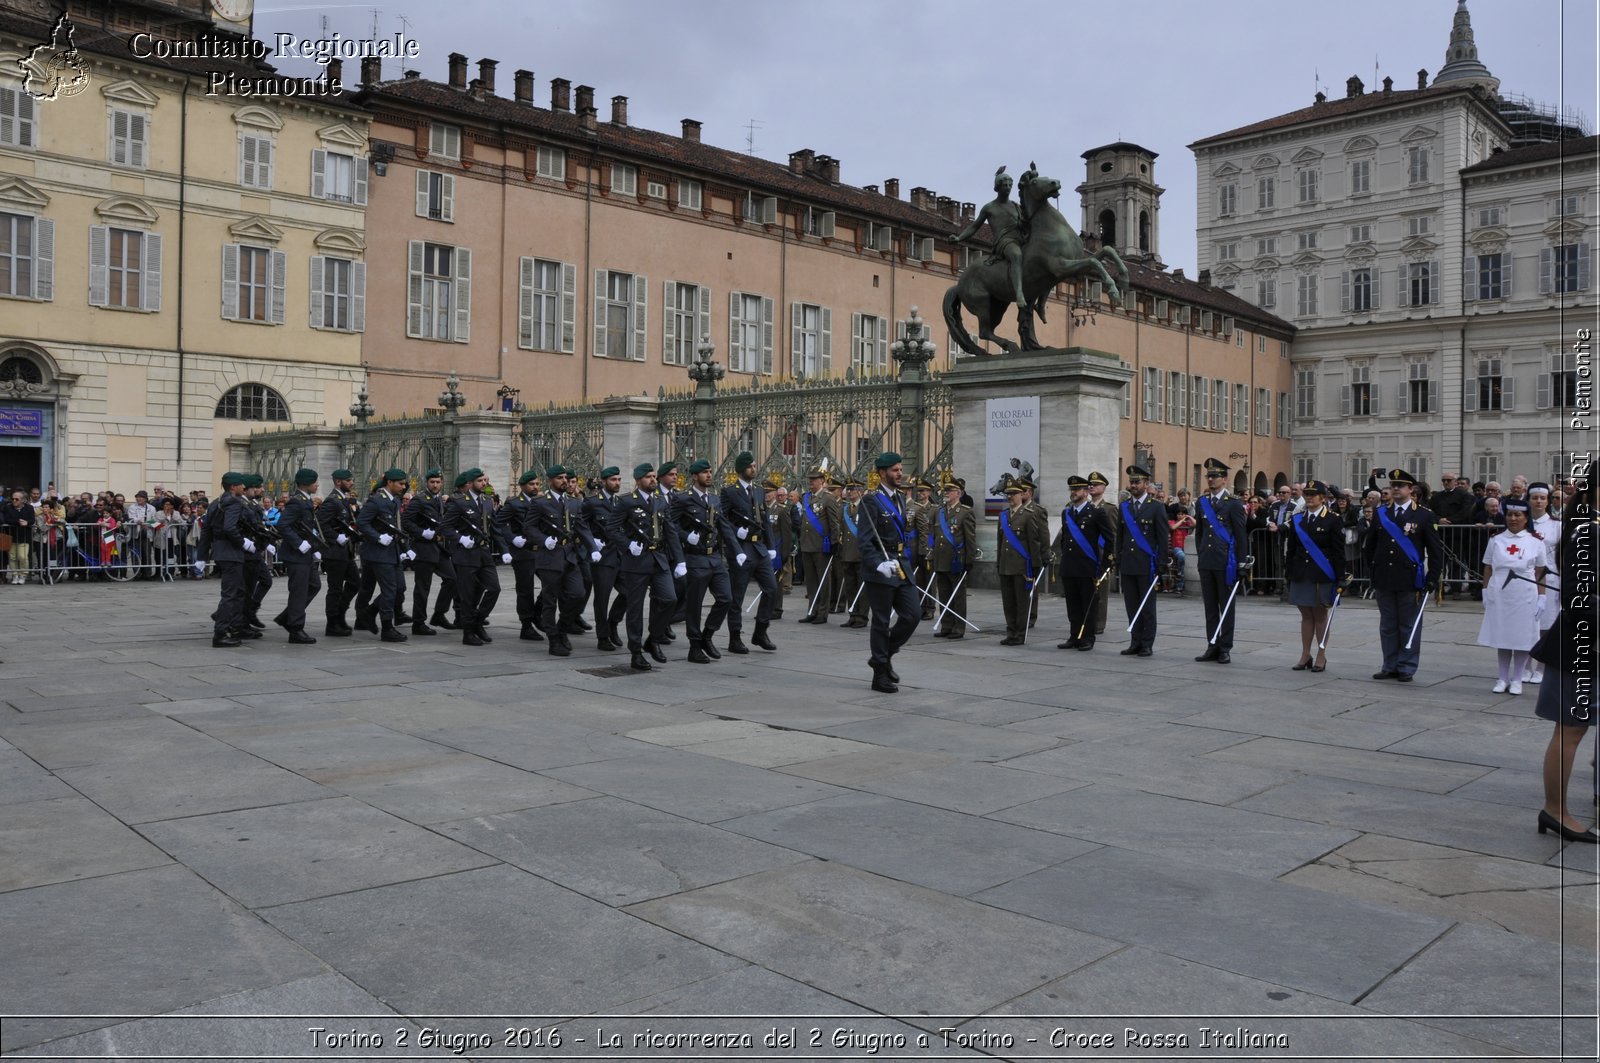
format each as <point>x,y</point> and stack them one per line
<point>940,92</point>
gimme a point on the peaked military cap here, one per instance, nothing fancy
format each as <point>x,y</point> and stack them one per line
<point>1077,483</point>
<point>1013,488</point>
<point>1214,467</point>
<point>1315,487</point>
<point>1098,477</point>
<point>1400,476</point>
<point>305,477</point>
<point>954,485</point>
<point>1027,484</point>
<point>923,484</point>
<point>1134,472</point>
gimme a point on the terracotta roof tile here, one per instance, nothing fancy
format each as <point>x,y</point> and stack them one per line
<point>1582,147</point>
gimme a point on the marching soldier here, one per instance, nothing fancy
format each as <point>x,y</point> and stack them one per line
<point>1404,556</point>
<point>225,532</point>
<point>955,552</point>
<point>1097,498</point>
<point>705,530</point>
<point>1143,543</point>
<point>781,538</point>
<point>883,538</point>
<point>422,520</point>
<point>750,549</point>
<point>1222,548</point>
<point>667,487</point>
<point>258,570</point>
<point>511,518</point>
<point>556,535</point>
<point>470,521</point>
<point>850,599</point>
<point>382,549</point>
<point>609,606</point>
<point>821,529</point>
<point>651,561</point>
<point>1082,546</point>
<point>303,549</point>
<point>336,521</point>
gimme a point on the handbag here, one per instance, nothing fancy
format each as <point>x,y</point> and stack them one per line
<point>5,542</point>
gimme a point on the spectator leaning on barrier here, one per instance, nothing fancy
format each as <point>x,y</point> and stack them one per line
<point>17,519</point>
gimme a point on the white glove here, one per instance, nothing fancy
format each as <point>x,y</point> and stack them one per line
<point>249,546</point>
<point>599,543</point>
<point>550,542</point>
<point>408,555</point>
<point>595,557</point>
<point>467,541</point>
<point>272,551</point>
<point>887,569</point>
<point>518,541</point>
<point>342,539</point>
<point>1538,607</point>
<point>199,568</point>
<point>505,559</point>
<point>385,539</point>
<point>305,546</point>
<point>317,556</point>
<point>743,533</point>
<point>772,555</point>
<point>427,533</point>
<point>739,560</point>
<point>681,570</point>
<point>636,549</point>
<point>694,538</point>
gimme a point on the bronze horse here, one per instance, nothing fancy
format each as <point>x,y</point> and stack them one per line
<point>1054,253</point>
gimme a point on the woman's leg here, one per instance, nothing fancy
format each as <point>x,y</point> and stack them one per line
<point>1558,757</point>
<point>1308,633</point>
<point>1319,627</point>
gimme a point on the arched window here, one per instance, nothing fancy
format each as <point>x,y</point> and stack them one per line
<point>17,368</point>
<point>1144,232</point>
<point>252,402</point>
<point>1108,228</point>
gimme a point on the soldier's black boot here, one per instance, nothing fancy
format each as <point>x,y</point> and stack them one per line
<point>478,629</point>
<point>298,637</point>
<point>760,638</point>
<point>1209,655</point>
<point>530,633</point>
<point>639,663</point>
<point>882,683</point>
<point>366,620</point>
<point>736,644</point>
<point>392,633</point>
<point>469,637</point>
<point>697,653</point>
<point>219,642</point>
<point>440,620</point>
<point>419,628</point>
<point>655,651</point>
<point>335,630</point>
<point>255,621</point>
<point>560,646</point>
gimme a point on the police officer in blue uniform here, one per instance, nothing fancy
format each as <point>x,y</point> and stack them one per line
<point>1404,556</point>
<point>1222,547</point>
<point>1144,540</point>
<point>885,537</point>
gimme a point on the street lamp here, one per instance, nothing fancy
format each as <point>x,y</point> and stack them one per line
<point>451,399</point>
<point>508,396</point>
<point>361,410</point>
<point>705,370</point>
<point>913,348</point>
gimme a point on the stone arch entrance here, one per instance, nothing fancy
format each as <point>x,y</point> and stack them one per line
<point>32,392</point>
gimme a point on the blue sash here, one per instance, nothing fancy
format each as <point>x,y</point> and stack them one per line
<point>891,507</point>
<point>1136,533</point>
<point>816,525</point>
<point>1313,551</point>
<point>1016,544</point>
<point>956,565</point>
<point>1077,534</point>
<point>849,522</point>
<point>1403,541</point>
<point>1221,533</point>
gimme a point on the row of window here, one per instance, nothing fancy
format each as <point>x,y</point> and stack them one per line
<point>1488,388</point>
<point>1311,239</point>
<point>1307,183</point>
<point>1200,402</point>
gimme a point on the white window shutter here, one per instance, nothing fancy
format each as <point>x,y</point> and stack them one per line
<point>318,263</point>
<point>1344,400</point>
<point>1469,279</point>
<point>280,284</point>
<point>825,345</point>
<point>264,152</point>
<point>44,259</point>
<point>1469,395</point>
<point>358,297</point>
<point>99,254</point>
<point>152,271</point>
<point>796,337</point>
<point>1435,286</point>
<point>9,124</point>
<point>525,303</point>
<point>880,348</point>
<point>1583,267</point>
<point>422,193</point>
<point>569,308</point>
<point>247,160</point>
<point>1433,396</point>
<point>463,295</point>
<point>1508,393</point>
<point>230,282</point>
<point>735,333</point>
<point>1541,393</point>
<point>703,316</point>
<point>414,262</point>
<point>1404,299</point>
<point>767,315</point>
<point>319,174</point>
<point>1375,399</point>
<point>1508,270</point>
<point>447,197</point>
<point>769,210</point>
<point>601,278</point>
<point>138,126</point>
<point>669,320</point>
<point>826,226</point>
<point>359,164</point>
<point>641,316</point>
<point>1344,292</point>
<point>1547,263</point>
<point>857,353</point>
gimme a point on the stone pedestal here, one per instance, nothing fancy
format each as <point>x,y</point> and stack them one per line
<point>632,435</point>
<point>1080,423</point>
<point>485,443</point>
<point>322,452</point>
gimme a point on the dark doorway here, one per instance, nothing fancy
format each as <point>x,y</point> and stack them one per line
<point>1144,232</point>
<point>1108,228</point>
<point>19,467</point>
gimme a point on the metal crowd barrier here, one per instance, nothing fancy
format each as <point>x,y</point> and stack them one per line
<point>59,552</point>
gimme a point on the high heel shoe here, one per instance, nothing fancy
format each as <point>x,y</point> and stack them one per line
<point>1551,823</point>
<point>1302,666</point>
<point>1321,665</point>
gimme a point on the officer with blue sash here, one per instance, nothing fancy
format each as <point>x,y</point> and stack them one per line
<point>820,528</point>
<point>1404,556</point>
<point>884,536</point>
<point>1314,566</point>
<point>1223,551</point>
<point>1020,551</point>
<point>1082,547</point>
<point>1143,541</point>
<point>954,553</point>
<point>848,575</point>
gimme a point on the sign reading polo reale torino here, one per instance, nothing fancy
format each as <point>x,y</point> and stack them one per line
<point>1011,440</point>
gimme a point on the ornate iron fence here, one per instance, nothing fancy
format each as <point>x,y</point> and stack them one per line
<point>574,436</point>
<point>414,444</point>
<point>277,456</point>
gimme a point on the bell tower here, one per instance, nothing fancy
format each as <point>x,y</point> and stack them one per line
<point>1461,62</point>
<point>1122,202</point>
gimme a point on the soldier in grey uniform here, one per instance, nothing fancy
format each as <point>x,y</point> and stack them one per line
<point>1097,496</point>
<point>821,528</point>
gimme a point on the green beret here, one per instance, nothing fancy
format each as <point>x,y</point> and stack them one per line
<point>230,479</point>
<point>556,470</point>
<point>431,473</point>
<point>342,474</point>
<point>396,474</point>
<point>742,461</point>
<point>666,467</point>
<point>464,478</point>
<point>643,469</point>
<point>253,479</point>
<point>528,477</point>
<point>610,471</point>
<point>305,477</point>
<point>700,466</point>
<point>888,459</point>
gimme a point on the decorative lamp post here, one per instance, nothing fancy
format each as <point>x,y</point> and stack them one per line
<point>362,410</point>
<point>509,398</point>
<point>913,351</point>
<point>450,399</point>
<point>705,373</point>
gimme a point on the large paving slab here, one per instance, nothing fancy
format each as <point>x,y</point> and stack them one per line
<point>67,838</point>
<point>687,784</point>
<point>1358,765</point>
<point>155,786</point>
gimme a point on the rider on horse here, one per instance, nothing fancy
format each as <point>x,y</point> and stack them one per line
<point>1007,222</point>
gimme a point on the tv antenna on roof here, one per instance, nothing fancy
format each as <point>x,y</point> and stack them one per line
<point>750,136</point>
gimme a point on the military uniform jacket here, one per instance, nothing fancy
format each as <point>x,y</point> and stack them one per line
<point>1034,536</point>
<point>1211,549</point>
<point>703,516</point>
<point>883,533</point>
<point>1390,568</point>
<point>335,517</point>
<point>225,518</point>
<point>917,515</point>
<point>823,508</point>
<point>1326,532</point>
<point>597,514</point>
<point>745,506</point>
<point>380,515</point>
<point>253,517</point>
<point>510,519</point>
<point>551,516</point>
<point>298,523</point>
<point>849,516</point>
<point>645,519</point>
<point>427,510</point>
<point>781,534</point>
<point>1150,517</point>
<point>1090,520</point>
<point>962,554</point>
<point>472,515</point>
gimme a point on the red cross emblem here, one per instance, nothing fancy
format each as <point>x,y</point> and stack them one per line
<point>1513,549</point>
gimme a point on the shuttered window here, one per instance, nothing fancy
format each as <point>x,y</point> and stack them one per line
<point>436,195</point>
<point>27,256</point>
<point>869,343</point>
<point>124,268</point>
<point>19,121</point>
<point>255,161</point>
<point>438,292</point>
<point>338,294</point>
<point>546,305</point>
<point>621,305</point>
<point>253,283</point>
<point>810,340</point>
<point>749,333</point>
<point>339,177</point>
<point>685,321</point>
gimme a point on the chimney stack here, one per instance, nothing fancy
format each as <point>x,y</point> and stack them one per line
<point>1422,79</point>
<point>968,211</point>
<point>588,117</point>
<point>1319,99</point>
<point>335,70</point>
<point>891,187</point>
<point>619,110</point>
<point>1388,86</point>
<point>828,169</point>
<point>922,198</point>
<point>524,87</point>
<point>800,162</point>
<point>1205,278</point>
<point>371,71</point>
<point>486,74</point>
<point>948,208</point>
<point>691,130</point>
<point>458,70</point>
<point>870,188</point>
<point>1353,88</point>
<point>560,95</point>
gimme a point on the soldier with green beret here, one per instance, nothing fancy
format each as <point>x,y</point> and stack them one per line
<point>302,553</point>
<point>422,520</point>
<point>511,518</point>
<point>470,529</point>
<point>752,551</point>
<point>382,550</point>
<point>336,521</point>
